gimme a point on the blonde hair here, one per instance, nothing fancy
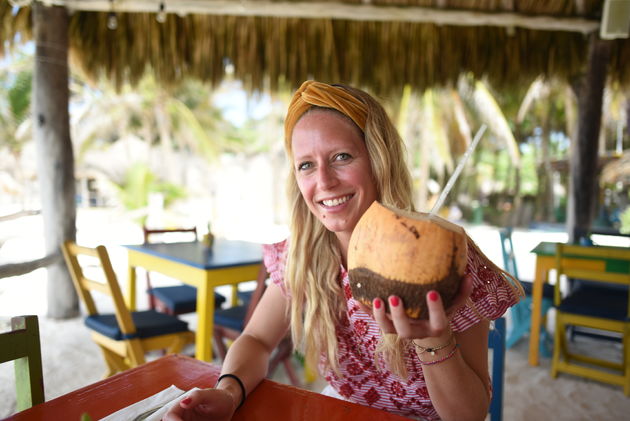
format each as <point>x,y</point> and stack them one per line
<point>312,273</point>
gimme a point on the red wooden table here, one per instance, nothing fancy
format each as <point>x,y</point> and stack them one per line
<point>269,401</point>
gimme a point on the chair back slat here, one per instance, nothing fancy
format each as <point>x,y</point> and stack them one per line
<point>110,287</point>
<point>595,252</point>
<point>564,266</point>
<point>22,345</point>
<point>496,342</point>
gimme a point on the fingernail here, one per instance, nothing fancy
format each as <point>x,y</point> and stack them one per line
<point>433,296</point>
<point>394,301</point>
<point>377,303</point>
<point>187,401</point>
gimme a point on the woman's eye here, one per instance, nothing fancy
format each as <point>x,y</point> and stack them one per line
<point>342,156</point>
<point>304,166</point>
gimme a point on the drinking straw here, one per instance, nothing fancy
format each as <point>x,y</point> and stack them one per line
<point>455,174</point>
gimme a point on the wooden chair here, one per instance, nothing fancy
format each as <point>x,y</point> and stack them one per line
<point>599,303</point>
<point>176,299</point>
<point>124,337</point>
<point>21,345</point>
<point>230,322</point>
<point>521,313</point>
<point>496,342</point>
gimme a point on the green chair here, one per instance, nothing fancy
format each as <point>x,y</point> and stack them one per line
<point>21,345</point>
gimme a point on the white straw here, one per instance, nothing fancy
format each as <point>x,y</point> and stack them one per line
<point>461,164</point>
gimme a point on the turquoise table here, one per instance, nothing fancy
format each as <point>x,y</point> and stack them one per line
<point>225,263</point>
<point>545,261</point>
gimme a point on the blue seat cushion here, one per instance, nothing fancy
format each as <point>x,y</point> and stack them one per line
<point>182,298</point>
<point>232,318</point>
<point>148,323</point>
<point>528,287</point>
<point>245,296</point>
<point>597,301</point>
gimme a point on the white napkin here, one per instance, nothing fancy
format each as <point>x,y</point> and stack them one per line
<point>152,408</point>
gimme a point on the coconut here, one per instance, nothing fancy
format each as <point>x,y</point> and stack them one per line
<point>407,254</point>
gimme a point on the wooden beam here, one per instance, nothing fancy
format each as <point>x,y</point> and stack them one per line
<point>22,268</point>
<point>321,10</point>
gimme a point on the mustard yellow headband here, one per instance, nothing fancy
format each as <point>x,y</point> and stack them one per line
<point>323,95</point>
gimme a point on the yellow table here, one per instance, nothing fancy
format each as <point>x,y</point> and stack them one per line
<point>545,261</point>
<point>225,263</point>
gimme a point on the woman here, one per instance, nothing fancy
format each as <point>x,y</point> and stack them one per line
<point>345,153</point>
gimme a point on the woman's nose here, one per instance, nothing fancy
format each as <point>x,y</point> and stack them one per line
<point>326,177</point>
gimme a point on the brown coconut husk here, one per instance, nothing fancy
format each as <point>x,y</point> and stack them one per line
<point>407,254</point>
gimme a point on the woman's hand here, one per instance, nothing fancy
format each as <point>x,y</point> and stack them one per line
<point>436,325</point>
<point>204,404</point>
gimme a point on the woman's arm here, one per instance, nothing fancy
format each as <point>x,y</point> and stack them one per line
<point>460,386</point>
<point>247,358</point>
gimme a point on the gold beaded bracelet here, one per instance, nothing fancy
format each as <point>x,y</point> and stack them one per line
<point>432,350</point>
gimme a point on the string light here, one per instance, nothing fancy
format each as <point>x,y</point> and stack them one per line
<point>161,16</point>
<point>112,19</point>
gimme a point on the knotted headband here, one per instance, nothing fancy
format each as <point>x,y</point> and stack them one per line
<point>323,95</point>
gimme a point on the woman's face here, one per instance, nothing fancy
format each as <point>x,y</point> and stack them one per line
<point>332,168</point>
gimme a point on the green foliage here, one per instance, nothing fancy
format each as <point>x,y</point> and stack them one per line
<point>139,181</point>
<point>625,221</point>
<point>19,95</point>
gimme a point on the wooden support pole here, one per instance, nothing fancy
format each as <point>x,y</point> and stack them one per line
<point>55,159</point>
<point>584,171</point>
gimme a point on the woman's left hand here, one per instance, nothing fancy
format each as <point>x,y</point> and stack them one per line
<point>436,325</point>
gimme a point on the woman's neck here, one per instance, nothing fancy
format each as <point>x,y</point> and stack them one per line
<point>343,240</point>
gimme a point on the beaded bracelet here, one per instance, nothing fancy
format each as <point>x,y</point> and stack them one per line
<point>440,360</point>
<point>240,383</point>
<point>431,350</point>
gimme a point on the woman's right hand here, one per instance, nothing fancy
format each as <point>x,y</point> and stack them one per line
<point>203,405</point>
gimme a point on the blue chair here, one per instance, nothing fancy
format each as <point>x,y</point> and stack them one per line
<point>496,342</point>
<point>124,337</point>
<point>521,313</point>
<point>176,299</point>
<point>230,322</point>
<point>21,345</point>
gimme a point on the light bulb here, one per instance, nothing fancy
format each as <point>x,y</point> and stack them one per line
<point>112,21</point>
<point>161,16</point>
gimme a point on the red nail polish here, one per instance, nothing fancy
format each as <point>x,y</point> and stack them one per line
<point>377,303</point>
<point>433,296</point>
<point>394,301</point>
<point>187,401</point>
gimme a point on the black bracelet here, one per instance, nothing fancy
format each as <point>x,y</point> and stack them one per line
<point>240,383</point>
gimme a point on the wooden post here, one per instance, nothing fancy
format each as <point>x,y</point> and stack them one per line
<point>55,160</point>
<point>584,173</point>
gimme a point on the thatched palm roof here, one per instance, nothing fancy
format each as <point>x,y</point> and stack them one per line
<point>266,51</point>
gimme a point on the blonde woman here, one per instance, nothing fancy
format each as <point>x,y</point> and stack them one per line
<point>345,153</point>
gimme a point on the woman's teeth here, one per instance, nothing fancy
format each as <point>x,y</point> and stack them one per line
<point>336,202</point>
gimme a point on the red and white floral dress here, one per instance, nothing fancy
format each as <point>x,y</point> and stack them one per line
<point>361,381</point>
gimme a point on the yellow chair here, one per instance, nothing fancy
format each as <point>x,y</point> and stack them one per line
<point>600,302</point>
<point>22,346</point>
<point>124,337</point>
